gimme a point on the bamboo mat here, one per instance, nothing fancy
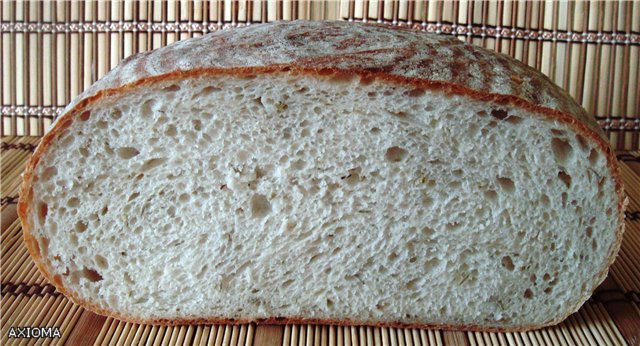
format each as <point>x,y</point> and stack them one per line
<point>53,50</point>
<point>610,317</point>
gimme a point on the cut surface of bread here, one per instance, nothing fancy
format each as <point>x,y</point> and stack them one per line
<point>336,198</point>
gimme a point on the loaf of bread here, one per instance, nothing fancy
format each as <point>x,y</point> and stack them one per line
<point>325,172</point>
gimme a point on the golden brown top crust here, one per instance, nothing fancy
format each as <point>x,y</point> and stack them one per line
<point>355,47</point>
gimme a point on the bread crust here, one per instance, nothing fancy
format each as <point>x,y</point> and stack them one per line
<point>566,113</point>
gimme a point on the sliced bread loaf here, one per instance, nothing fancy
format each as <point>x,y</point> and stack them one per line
<point>325,172</point>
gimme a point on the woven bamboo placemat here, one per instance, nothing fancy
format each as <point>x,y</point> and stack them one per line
<point>610,317</point>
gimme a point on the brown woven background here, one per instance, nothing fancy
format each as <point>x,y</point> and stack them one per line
<point>53,50</point>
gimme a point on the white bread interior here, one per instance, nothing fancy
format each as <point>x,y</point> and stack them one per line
<point>287,195</point>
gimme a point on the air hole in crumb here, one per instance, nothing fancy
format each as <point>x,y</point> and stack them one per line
<point>593,157</point>
<point>48,173</point>
<point>400,114</point>
<point>546,277</point>
<point>101,262</point>
<point>43,208</point>
<point>152,163</point>
<point>395,154</point>
<point>452,226</point>
<point>84,152</point>
<point>298,164</point>
<point>513,120</point>
<point>133,196</point>
<point>431,264</point>
<point>353,177</point>
<point>594,245</point>
<point>589,232</point>
<point>329,303</point>
<point>73,202</point>
<point>108,149</point>
<point>506,184</point>
<point>73,239</point>
<point>499,114</point>
<point>162,119</point>
<point>428,232</point>
<point>548,290</point>
<point>80,226</point>
<point>67,141</point>
<point>197,124</point>
<point>564,198</point>
<point>566,178</point>
<point>528,294</point>
<point>533,278</point>
<point>184,198</point>
<point>116,114</point>
<point>375,130</point>
<point>206,91</point>
<point>544,199</point>
<point>171,131</point>
<point>127,152</point>
<point>454,185</point>
<point>415,92</point>
<point>147,108</point>
<point>302,90</point>
<point>287,283</point>
<point>412,284</point>
<point>427,201</point>
<point>85,115</point>
<point>508,263</point>
<point>172,88</point>
<point>491,195</point>
<point>562,150</point>
<point>91,275</point>
<point>260,206</point>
